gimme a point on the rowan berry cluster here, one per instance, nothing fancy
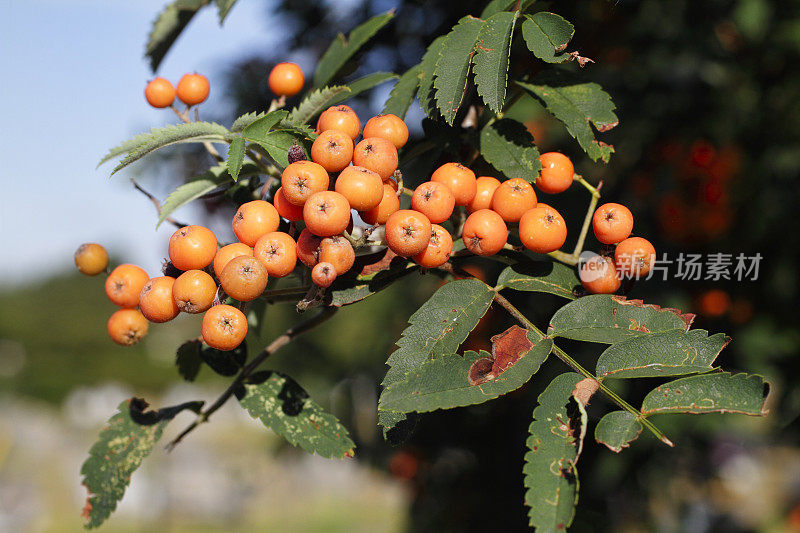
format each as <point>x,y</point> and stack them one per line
<point>192,89</point>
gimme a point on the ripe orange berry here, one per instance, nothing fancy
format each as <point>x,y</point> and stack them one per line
<point>124,284</point>
<point>333,149</point>
<point>308,248</point>
<point>714,302</point>
<point>126,327</point>
<point>485,232</point>
<point>159,93</point>
<point>244,278</point>
<point>156,302</point>
<point>377,155</point>
<point>326,213</point>
<point>192,248</point>
<point>599,275</point>
<point>91,259</point>
<point>302,179</point>
<point>194,291</point>
<point>459,179</point>
<point>228,252</point>
<point>224,327</point>
<point>389,127</point>
<point>363,188</point>
<point>254,219</point>
<point>391,182</point>
<point>286,79</point>
<point>390,203</point>
<point>612,223</point>
<point>634,256</point>
<point>338,252</point>
<point>408,232</point>
<point>434,200</point>
<point>277,251</point>
<point>193,89</point>
<point>557,173</point>
<point>340,117</point>
<point>286,209</point>
<point>542,230</point>
<point>513,198</point>
<point>486,185</point>
<point>323,274</point>
<point>438,250</point>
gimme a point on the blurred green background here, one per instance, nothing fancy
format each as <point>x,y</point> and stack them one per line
<point>707,157</point>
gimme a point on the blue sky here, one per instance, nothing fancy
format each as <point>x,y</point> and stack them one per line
<point>72,75</point>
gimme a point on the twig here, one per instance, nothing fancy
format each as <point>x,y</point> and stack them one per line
<point>209,147</point>
<point>157,204</point>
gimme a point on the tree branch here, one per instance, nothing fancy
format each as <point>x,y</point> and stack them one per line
<point>157,204</point>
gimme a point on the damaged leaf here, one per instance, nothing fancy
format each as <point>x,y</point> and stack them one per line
<point>617,430</point>
<point>720,392</point>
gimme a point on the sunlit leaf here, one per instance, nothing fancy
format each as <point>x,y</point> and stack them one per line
<point>720,392</point>
<point>490,62</point>
<point>453,66</point>
<point>540,276</point>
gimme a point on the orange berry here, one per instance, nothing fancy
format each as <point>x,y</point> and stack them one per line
<point>286,79</point>
<point>542,230</point>
<point>599,275</point>
<point>156,302</point>
<point>407,232</point>
<point>485,232</point>
<point>308,248</point>
<point>612,223</point>
<point>714,302</point>
<point>459,179</point>
<point>326,213</point>
<point>224,327</point>
<point>389,127</point>
<point>323,274</point>
<point>194,291</point>
<point>124,284</point>
<point>340,117</point>
<point>557,173</point>
<point>363,188</point>
<point>434,200</point>
<point>486,185</point>
<point>192,248</point>
<point>286,209</point>
<point>244,278</point>
<point>254,219</point>
<point>634,256</point>
<point>277,251</point>
<point>126,327</point>
<point>390,203</point>
<point>333,149</point>
<point>377,155</point>
<point>193,89</point>
<point>513,198</point>
<point>228,252</point>
<point>91,259</point>
<point>438,250</point>
<point>302,179</point>
<point>338,252</point>
<point>159,93</point>
<point>391,183</point>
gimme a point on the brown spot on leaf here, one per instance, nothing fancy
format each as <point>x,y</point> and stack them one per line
<point>608,126</point>
<point>686,318</point>
<point>372,263</point>
<point>480,371</point>
<point>585,389</point>
<point>508,347</point>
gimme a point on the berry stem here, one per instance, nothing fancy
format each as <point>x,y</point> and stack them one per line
<point>573,258</point>
<point>209,147</point>
<point>158,205</point>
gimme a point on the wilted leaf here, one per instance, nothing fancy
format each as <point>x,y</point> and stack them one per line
<point>508,147</point>
<point>547,36</point>
<point>617,430</point>
<point>491,58</point>
<point>540,276</point>
<point>403,93</point>
<point>720,392</point>
<point>452,67</point>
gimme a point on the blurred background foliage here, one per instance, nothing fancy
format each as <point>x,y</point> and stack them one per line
<point>706,157</point>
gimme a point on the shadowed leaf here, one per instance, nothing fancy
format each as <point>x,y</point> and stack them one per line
<point>427,68</point>
<point>188,359</point>
<point>720,392</point>
<point>363,84</point>
<point>617,430</point>
<point>540,276</point>
<point>453,65</point>
<point>223,8</point>
<point>168,26</point>
<point>547,36</point>
<point>315,103</point>
<point>403,93</point>
<point>508,147</point>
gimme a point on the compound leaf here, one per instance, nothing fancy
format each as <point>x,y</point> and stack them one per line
<point>508,146</point>
<point>285,407</point>
<point>610,319</point>
<point>427,67</point>
<point>245,120</point>
<point>315,103</point>
<point>235,157</point>
<point>363,84</point>
<point>168,26</point>
<point>547,36</point>
<point>670,353</point>
<point>452,67</point>
<point>261,124</point>
<point>403,93</point>
<point>617,430</point>
<point>353,288</point>
<point>491,58</point>
<point>720,392</point>
<point>278,142</point>
<point>540,276</point>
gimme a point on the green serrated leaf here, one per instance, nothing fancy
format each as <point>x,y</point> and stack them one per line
<point>191,190</point>
<point>444,382</point>
<point>125,147</point>
<point>283,406</point>
<point>578,106</point>
<point>350,289</point>
<point>343,48</point>
<point>188,359</point>
<point>720,392</point>
<point>617,430</point>
<point>554,445</point>
<point>179,133</point>
<point>128,438</point>
<point>427,68</point>
<point>508,146</point>
<point>315,103</point>
<point>261,126</point>
<point>540,276</point>
<point>496,6</point>
<point>403,93</point>
<point>671,353</point>
<point>245,120</point>
<point>277,144</point>
<point>547,36</point>
<point>608,319</point>
<point>223,8</point>
<point>490,62</point>
<point>363,84</point>
<point>235,157</point>
<point>452,67</point>
<point>168,26</point>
